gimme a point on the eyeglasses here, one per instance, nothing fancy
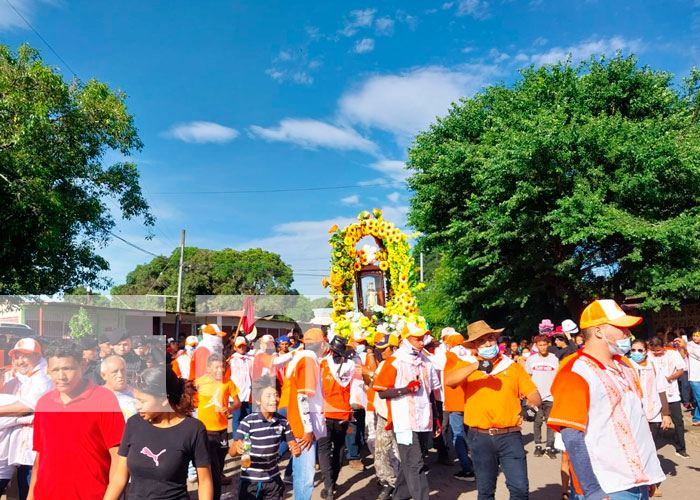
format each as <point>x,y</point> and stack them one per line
<point>637,350</point>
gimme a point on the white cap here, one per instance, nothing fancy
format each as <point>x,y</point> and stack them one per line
<point>569,326</point>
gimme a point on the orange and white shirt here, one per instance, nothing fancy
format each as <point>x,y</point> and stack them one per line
<point>181,365</point>
<point>605,404</point>
<point>456,357</point>
<point>337,380</point>
<point>212,401</point>
<point>241,368</point>
<point>411,412</point>
<point>303,376</point>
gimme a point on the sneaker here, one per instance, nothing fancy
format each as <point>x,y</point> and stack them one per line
<point>356,465</point>
<point>386,492</point>
<point>538,451</point>
<point>327,493</point>
<point>464,476</point>
<point>550,452</point>
<point>682,454</point>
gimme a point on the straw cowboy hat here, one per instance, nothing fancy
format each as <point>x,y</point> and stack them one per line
<point>479,329</point>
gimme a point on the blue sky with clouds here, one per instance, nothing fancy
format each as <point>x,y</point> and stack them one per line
<point>250,96</point>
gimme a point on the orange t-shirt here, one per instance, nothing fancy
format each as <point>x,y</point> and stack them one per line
<point>386,379</point>
<point>303,380</point>
<point>336,403</point>
<point>198,365</point>
<point>454,396</point>
<point>212,399</point>
<point>493,401</point>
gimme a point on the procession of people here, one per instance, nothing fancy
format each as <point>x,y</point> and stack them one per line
<point>89,420</point>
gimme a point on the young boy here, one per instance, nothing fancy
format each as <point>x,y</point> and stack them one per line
<point>266,430</point>
<point>213,393</point>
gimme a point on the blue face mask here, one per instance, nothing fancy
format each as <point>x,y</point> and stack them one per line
<point>638,357</point>
<point>488,352</point>
<point>360,348</point>
<point>621,347</point>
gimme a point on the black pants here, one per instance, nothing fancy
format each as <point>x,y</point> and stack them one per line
<point>541,418</point>
<point>24,474</point>
<point>266,490</point>
<point>678,427</point>
<point>330,450</point>
<point>439,442</point>
<point>412,481</point>
<point>218,447</point>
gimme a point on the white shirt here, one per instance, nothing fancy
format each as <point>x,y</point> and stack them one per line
<point>241,373</point>
<point>693,362</point>
<point>667,365</point>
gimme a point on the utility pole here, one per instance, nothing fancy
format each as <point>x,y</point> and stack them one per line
<point>179,286</point>
<point>421,267</point>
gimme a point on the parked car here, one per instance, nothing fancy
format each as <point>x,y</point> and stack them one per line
<point>16,329</point>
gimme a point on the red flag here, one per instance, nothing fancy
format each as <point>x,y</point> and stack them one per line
<point>248,320</point>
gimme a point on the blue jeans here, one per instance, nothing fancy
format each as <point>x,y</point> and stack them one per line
<point>304,467</point>
<point>354,439</point>
<point>459,442</point>
<point>636,493</point>
<point>695,387</point>
<point>506,449</point>
<point>239,415</point>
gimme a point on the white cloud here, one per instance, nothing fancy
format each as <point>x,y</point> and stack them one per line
<point>384,26</point>
<point>275,74</point>
<point>314,133</point>
<point>10,19</point>
<point>478,9</point>
<point>393,169</point>
<point>521,58</point>
<point>364,45</point>
<point>407,103</point>
<point>583,51</point>
<point>540,41</point>
<point>202,132</point>
<point>394,197</point>
<point>315,64</point>
<point>352,200</point>
<point>404,17</point>
<point>467,50</point>
<point>498,56</point>
<point>358,19</point>
<point>447,5</point>
<point>302,77</point>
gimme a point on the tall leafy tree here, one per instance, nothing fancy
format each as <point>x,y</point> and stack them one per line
<point>211,272</point>
<point>575,182</point>
<point>53,184</point>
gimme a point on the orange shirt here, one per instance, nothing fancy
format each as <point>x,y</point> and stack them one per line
<point>454,396</point>
<point>492,400</point>
<point>336,403</point>
<point>198,365</point>
<point>212,400</point>
<point>303,380</point>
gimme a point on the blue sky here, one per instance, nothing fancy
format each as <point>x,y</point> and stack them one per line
<point>231,96</point>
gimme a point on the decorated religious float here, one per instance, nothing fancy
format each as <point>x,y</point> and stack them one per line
<point>382,277</point>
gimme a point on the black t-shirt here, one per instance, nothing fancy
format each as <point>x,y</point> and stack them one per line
<point>157,457</point>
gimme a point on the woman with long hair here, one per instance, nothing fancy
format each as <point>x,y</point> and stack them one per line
<point>160,441</point>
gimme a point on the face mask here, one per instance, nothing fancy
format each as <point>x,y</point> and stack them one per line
<point>189,349</point>
<point>621,347</point>
<point>637,357</point>
<point>488,352</point>
<point>360,348</point>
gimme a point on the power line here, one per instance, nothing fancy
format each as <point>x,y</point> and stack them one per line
<point>133,245</point>
<point>42,38</point>
<point>280,190</point>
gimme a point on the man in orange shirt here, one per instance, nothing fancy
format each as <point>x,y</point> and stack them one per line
<point>455,356</point>
<point>212,343</point>
<point>493,386</point>
<point>304,395</point>
<point>337,373</point>
<point>213,393</point>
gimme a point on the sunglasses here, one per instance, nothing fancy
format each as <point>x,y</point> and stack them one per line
<point>637,350</point>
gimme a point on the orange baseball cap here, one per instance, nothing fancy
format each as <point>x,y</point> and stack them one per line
<point>607,312</point>
<point>455,339</point>
<point>191,341</point>
<point>26,346</point>
<point>240,341</point>
<point>413,330</point>
<point>313,335</point>
<point>213,329</point>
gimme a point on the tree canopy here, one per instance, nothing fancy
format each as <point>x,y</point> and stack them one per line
<point>210,272</point>
<point>576,182</point>
<point>53,184</point>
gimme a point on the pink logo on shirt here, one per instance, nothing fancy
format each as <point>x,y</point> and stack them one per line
<point>146,451</point>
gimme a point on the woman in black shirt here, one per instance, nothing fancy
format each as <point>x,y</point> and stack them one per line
<point>160,441</point>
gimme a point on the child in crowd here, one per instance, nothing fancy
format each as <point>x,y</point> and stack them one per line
<point>266,430</point>
<point>213,393</point>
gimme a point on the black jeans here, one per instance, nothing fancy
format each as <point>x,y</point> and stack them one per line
<point>330,450</point>
<point>678,427</point>
<point>355,439</point>
<point>412,481</point>
<point>266,490</point>
<point>218,447</point>
<point>24,475</point>
<point>541,418</point>
<point>506,449</point>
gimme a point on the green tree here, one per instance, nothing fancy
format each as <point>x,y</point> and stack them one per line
<point>53,185</point>
<point>80,325</point>
<point>573,183</point>
<point>210,272</point>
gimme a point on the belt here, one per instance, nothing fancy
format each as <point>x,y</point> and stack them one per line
<point>493,431</point>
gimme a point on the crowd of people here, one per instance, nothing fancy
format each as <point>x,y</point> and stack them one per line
<point>124,417</point>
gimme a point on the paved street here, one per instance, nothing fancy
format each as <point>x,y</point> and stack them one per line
<point>682,476</point>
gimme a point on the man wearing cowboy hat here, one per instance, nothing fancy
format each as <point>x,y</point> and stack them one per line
<point>407,379</point>
<point>493,387</point>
